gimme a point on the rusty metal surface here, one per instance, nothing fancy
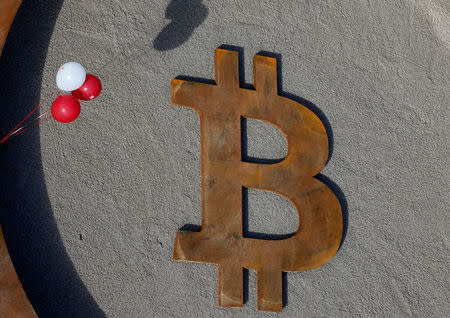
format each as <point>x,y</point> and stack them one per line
<point>13,300</point>
<point>8,10</point>
<point>224,174</point>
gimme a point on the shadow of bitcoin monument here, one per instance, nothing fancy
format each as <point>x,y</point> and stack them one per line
<point>31,233</point>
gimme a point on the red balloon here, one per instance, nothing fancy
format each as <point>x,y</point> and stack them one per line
<point>66,108</point>
<point>90,89</point>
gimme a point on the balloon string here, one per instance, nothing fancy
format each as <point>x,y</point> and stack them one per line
<point>23,127</point>
<point>38,123</point>
<point>18,130</point>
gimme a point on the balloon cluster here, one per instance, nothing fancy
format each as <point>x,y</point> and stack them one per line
<point>72,77</point>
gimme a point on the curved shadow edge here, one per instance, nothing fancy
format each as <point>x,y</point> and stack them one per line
<point>47,274</point>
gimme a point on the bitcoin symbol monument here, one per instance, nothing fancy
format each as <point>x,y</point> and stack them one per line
<point>224,175</point>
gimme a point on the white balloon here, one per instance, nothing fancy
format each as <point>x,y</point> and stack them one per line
<point>70,76</point>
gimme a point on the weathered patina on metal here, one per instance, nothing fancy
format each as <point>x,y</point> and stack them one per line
<point>224,174</point>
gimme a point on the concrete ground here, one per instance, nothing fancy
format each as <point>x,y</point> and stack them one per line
<point>90,209</point>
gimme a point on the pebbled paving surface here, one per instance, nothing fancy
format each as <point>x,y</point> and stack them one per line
<point>90,209</point>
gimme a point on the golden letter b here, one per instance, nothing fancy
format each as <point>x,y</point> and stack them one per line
<point>221,240</point>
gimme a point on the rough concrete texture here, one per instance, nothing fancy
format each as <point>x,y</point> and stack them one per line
<point>125,176</point>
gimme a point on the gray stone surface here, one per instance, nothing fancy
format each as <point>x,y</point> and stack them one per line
<point>125,176</point>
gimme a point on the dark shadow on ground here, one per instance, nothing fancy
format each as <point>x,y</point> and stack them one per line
<point>257,235</point>
<point>244,147</point>
<point>37,251</point>
<point>186,15</point>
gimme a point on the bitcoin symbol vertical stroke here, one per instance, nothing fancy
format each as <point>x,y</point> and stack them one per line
<point>221,239</point>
